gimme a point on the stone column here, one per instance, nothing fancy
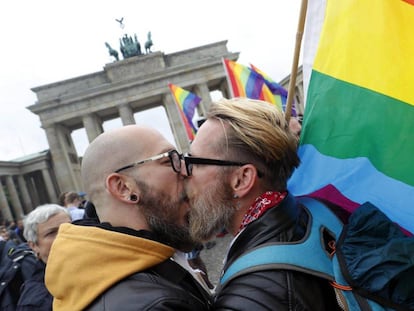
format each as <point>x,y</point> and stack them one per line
<point>49,185</point>
<point>14,197</point>
<point>93,126</point>
<point>126,114</point>
<point>27,204</point>
<point>4,205</point>
<point>203,91</point>
<point>33,193</point>
<point>176,123</point>
<point>62,162</point>
<point>224,88</point>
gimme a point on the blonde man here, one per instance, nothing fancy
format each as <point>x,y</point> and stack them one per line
<point>237,174</point>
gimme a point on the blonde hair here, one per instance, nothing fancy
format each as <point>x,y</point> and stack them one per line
<point>257,133</point>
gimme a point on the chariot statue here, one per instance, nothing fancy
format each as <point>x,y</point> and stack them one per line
<point>130,47</point>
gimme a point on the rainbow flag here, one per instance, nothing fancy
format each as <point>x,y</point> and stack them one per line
<point>357,140</point>
<point>279,92</point>
<point>186,103</point>
<point>246,82</point>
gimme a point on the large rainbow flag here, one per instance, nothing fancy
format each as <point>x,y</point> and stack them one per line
<point>357,141</point>
<point>186,103</point>
<point>246,82</point>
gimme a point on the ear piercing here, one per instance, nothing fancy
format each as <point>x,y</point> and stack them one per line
<point>133,198</point>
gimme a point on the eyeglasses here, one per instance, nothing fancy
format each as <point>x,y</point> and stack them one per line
<point>173,155</point>
<point>189,161</point>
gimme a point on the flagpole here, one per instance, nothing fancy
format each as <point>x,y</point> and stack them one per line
<point>294,72</point>
<point>229,87</point>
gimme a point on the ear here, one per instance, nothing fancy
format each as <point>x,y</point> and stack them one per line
<point>34,248</point>
<point>243,179</point>
<point>32,245</point>
<point>122,187</point>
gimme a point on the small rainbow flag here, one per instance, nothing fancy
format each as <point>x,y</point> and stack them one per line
<point>357,141</point>
<point>186,104</point>
<point>279,92</point>
<point>246,82</point>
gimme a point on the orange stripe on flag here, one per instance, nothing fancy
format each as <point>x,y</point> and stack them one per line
<point>409,1</point>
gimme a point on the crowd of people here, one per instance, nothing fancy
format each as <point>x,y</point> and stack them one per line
<point>12,230</point>
<point>149,205</point>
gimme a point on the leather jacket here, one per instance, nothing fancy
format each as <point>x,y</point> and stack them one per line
<point>118,268</point>
<point>167,286</point>
<point>274,289</point>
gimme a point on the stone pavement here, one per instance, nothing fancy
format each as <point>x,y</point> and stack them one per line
<point>213,257</point>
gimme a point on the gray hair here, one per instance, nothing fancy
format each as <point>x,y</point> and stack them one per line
<point>40,215</point>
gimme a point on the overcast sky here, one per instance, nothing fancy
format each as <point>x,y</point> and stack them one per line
<point>46,41</point>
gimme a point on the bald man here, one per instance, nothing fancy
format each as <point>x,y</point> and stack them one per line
<point>132,176</point>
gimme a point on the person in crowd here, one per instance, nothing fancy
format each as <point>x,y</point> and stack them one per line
<point>125,262</point>
<point>9,232</point>
<point>90,217</point>
<point>20,229</point>
<point>83,199</point>
<point>10,224</point>
<point>40,229</point>
<point>4,233</point>
<point>72,201</point>
<point>62,198</point>
<point>237,174</point>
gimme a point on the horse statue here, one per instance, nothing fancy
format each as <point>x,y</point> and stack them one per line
<point>112,52</point>
<point>148,44</point>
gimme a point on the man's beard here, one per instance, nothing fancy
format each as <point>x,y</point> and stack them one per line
<point>211,211</point>
<point>162,214</point>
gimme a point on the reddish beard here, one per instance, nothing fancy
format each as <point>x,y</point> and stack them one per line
<point>162,213</point>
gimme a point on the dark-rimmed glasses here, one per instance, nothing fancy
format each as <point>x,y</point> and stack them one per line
<point>189,161</point>
<point>173,155</point>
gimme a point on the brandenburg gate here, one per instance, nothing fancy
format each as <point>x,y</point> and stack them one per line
<point>123,88</point>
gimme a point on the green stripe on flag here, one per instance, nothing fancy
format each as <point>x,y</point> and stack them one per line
<point>339,124</point>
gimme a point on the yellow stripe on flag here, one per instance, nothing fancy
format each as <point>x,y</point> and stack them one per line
<point>381,37</point>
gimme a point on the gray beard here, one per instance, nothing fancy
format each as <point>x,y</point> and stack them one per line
<point>211,212</point>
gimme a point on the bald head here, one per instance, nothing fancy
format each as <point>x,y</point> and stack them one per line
<point>114,149</point>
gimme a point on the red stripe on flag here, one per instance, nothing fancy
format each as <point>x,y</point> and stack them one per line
<point>409,1</point>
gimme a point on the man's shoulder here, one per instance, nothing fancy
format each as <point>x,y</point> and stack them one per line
<point>147,290</point>
<point>276,289</point>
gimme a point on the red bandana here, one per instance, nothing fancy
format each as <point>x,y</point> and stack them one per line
<point>261,205</point>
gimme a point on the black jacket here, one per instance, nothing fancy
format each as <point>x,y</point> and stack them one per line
<point>117,268</point>
<point>34,295</point>
<point>17,264</point>
<point>274,289</point>
<point>166,286</point>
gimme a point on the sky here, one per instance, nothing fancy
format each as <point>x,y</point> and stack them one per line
<point>47,41</point>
